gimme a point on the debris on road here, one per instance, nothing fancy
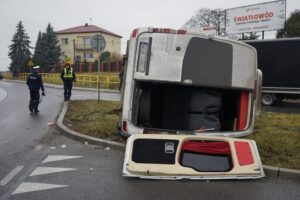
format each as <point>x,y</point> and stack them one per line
<point>50,123</point>
<point>52,148</point>
<point>107,148</point>
<point>63,146</point>
<point>86,143</point>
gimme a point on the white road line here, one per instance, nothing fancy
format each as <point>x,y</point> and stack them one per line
<point>32,187</point>
<point>2,94</point>
<point>49,170</point>
<point>59,157</point>
<point>10,176</point>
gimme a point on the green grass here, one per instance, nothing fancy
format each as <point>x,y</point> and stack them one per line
<point>278,139</point>
<point>93,118</point>
<point>277,134</point>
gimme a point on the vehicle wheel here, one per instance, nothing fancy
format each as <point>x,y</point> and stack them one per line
<point>268,99</point>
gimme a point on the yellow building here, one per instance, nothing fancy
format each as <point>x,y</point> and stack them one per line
<point>76,42</point>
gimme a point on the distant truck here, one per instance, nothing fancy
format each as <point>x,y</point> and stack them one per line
<point>279,61</point>
<point>184,82</point>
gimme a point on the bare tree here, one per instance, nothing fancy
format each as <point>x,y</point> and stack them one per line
<point>205,17</point>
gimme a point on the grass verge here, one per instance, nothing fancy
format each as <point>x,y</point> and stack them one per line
<point>278,139</point>
<point>277,134</point>
<point>93,118</point>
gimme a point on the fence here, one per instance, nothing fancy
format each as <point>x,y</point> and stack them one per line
<point>107,80</point>
<point>108,67</point>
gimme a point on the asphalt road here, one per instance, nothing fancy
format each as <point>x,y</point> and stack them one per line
<point>35,163</point>
<point>287,106</point>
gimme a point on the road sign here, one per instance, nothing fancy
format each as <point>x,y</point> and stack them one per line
<point>30,63</point>
<point>68,60</point>
<point>98,43</point>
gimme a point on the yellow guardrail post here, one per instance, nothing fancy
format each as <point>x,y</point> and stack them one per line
<point>90,80</point>
<point>107,82</point>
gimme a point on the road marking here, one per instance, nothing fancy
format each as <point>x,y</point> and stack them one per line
<point>49,170</point>
<point>32,187</point>
<point>10,176</point>
<point>58,157</point>
<point>2,94</point>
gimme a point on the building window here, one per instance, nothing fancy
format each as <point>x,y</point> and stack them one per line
<point>64,41</point>
<point>88,54</point>
<point>86,42</point>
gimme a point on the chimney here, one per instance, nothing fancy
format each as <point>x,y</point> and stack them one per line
<point>86,24</point>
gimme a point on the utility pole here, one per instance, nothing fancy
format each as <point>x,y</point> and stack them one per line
<point>98,43</point>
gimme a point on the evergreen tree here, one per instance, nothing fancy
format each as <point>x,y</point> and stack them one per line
<point>47,49</point>
<point>38,56</point>
<point>53,52</point>
<point>19,50</point>
<point>291,26</point>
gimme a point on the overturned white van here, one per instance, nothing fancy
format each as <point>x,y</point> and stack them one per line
<point>181,82</point>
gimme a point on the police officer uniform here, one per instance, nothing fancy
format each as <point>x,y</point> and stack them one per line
<point>68,77</point>
<point>35,83</point>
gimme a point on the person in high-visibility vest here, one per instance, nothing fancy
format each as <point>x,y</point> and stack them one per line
<point>68,77</point>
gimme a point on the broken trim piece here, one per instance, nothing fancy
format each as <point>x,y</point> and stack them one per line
<point>249,167</point>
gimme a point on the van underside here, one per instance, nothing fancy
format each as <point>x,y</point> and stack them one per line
<point>175,107</point>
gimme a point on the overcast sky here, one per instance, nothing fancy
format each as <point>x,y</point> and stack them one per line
<point>118,16</point>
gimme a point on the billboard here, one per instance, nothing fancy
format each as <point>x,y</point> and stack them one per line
<point>258,17</point>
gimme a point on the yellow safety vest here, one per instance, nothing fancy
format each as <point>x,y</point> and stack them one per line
<point>68,75</point>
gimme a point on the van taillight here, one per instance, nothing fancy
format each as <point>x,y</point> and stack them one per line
<point>168,30</point>
<point>181,31</point>
<point>124,126</point>
<point>242,117</point>
<point>134,32</point>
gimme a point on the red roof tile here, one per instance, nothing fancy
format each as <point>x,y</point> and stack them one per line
<point>87,29</point>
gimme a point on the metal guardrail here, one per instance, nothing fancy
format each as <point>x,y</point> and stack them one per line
<point>106,81</point>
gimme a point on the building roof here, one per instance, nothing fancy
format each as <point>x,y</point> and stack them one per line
<point>86,29</point>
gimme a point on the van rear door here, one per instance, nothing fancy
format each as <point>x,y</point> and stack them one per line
<point>153,156</point>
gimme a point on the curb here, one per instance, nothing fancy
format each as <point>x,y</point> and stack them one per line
<point>48,85</point>
<point>84,138</point>
<point>270,171</point>
<point>282,172</point>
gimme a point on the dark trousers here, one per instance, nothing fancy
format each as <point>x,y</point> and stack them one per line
<point>68,89</point>
<point>34,100</point>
